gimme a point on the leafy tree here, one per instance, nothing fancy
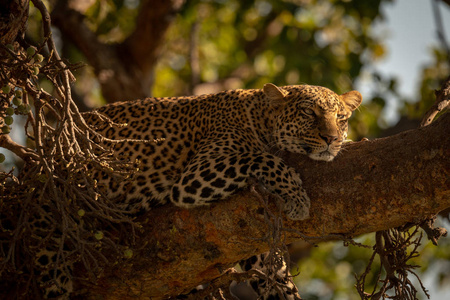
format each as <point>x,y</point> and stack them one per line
<point>134,49</point>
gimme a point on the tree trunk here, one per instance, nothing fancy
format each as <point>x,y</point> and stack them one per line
<point>370,186</point>
<point>124,70</point>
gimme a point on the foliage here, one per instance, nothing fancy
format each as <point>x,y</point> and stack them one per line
<point>254,42</point>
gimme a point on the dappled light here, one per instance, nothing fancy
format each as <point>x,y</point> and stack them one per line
<point>369,231</point>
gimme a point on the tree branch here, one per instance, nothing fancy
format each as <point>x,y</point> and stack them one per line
<point>23,152</point>
<point>13,20</point>
<point>442,102</point>
<point>152,22</point>
<point>371,186</point>
<point>124,70</point>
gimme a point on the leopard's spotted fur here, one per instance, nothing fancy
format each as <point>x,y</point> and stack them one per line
<point>208,146</point>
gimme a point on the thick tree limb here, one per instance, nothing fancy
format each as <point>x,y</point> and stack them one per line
<point>371,186</point>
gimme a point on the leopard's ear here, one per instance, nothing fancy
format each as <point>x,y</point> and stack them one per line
<point>352,99</point>
<point>275,95</point>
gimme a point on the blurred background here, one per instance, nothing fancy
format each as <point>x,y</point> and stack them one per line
<point>396,53</point>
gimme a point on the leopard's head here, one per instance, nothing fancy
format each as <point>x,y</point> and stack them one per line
<point>311,120</point>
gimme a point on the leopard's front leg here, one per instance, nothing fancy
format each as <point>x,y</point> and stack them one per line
<point>283,181</point>
<point>217,172</point>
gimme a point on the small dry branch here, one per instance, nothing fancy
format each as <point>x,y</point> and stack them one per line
<point>395,248</point>
<point>56,185</point>
<point>441,103</point>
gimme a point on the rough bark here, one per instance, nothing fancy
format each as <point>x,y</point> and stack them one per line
<point>13,20</point>
<point>371,186</point>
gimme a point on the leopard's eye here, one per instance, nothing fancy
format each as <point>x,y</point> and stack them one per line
<point>341,117</point>
<point>308,111</point>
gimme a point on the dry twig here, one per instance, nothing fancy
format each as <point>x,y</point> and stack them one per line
<point>56,185</point>
<point>442,102</point>
<point>392,247</point>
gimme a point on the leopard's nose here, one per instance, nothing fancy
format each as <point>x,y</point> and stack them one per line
<point>328,138</point>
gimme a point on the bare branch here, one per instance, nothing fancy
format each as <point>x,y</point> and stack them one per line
<point>194,60</point>
<point>433,233</point>
<point>442,102</point>
<point>23,152</point>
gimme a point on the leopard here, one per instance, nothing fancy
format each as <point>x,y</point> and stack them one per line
<point>205,148</point>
